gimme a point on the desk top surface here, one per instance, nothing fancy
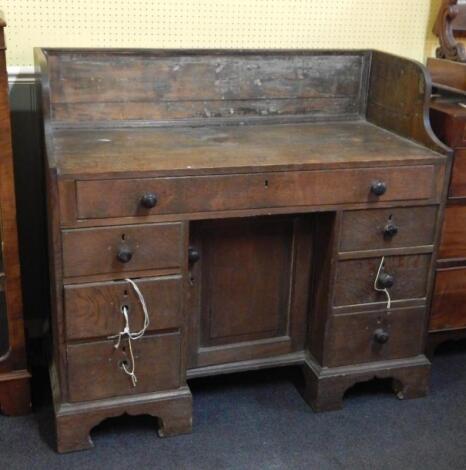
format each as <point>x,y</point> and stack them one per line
<point>227,149</point>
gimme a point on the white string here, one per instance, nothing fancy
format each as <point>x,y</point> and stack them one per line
<point>385,290</point>
<point>132,335</point>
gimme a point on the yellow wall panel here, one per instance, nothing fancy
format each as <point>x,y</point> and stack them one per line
<point>398,26</point>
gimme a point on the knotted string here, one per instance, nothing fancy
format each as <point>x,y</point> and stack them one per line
<point>378,289</point>
<point>132,335</point>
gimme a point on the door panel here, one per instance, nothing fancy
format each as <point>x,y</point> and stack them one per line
<point>245,284</point>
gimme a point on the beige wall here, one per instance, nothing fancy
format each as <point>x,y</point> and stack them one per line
<point>398,26</point>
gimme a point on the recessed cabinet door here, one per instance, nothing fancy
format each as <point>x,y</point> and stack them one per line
<point>249,292</point>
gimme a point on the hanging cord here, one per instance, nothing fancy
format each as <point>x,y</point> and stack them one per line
<point>132,335</point>
<point>378,289</point>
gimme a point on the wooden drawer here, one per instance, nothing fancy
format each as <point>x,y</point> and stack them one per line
<point>370,229</point>
<point>95,250</point>
<point>352,337</point>
<point>453,241</point>
<point>94,310</point>
<point>458,175</point>
<point>449,301</point>
<point>354,282</point>
<point>246,191</point>
<point>95,372</point>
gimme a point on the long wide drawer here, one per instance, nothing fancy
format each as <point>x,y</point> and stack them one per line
<point>355,279</point>
<point>95,370</point>
<point>121,249</point>
<point>374,336</point>
<point>388,228</point>
<point>138,197</point>
<point>95,310</point>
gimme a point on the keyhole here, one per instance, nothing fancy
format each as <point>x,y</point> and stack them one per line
<point>266,183</point>
<point>125,293</point>
<point>123,236</point>
<point>122,363</point>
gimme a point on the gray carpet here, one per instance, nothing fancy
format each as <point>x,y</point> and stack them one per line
<point>259,421</point>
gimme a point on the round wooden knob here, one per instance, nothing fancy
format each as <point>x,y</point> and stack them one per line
<point>385,280</point>
<point>124,254</point>
<point>378,188</point>
<point>381,336</point>
<point>390,230</point>
<point>193,255</point>
<point>149,200</point>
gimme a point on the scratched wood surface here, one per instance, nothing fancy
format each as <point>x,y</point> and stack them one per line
<point>154,85</point>
<point>187,149</point>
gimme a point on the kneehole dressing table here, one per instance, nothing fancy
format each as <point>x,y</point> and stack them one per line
<point>220,211</point>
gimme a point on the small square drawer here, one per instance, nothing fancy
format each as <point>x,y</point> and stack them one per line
<point>122,249</point>
<point>355,279</point>
<point>374,336</point>
<point>388,228</point>
<point>95,310</point>
<point>453,241</point>
<point>95,370</point>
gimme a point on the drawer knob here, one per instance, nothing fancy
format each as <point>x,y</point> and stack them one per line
<point>385,280</point>
<point>378,188</point>
<point>149,200</point>
<point>381,336</point>
<point>390,230</point>
<point>124,254</point>
<point>193,255</point>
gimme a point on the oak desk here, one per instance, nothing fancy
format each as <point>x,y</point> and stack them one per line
<point>272,208</point>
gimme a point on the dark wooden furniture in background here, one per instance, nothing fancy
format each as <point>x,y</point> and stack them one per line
<point>451,22</point>
<point>14,377</point>
<point>448,117</point>
<point>252,196</point>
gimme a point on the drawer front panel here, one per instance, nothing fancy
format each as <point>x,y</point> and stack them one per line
<point>449,301</point>
<point>353,338</point>
<point>355,279</point>
<point>453,241</point>
<point>388,228</point>
<point>458,176</point>
<point>230,192</point>
<point>94,310</point>
<point>96,251</point>
<point>95,369</point>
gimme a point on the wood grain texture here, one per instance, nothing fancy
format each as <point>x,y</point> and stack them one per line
<point>254,157</point>
<point>249,288</point>
<point>449,301</point>
<point>355,279</point>
<point>325,387</point>
<point>453,242</point>
<point>364,230</point>
<point>94,310</point>
<point>95,369</point>
<point>234,192</point>
<point>447,74</point>
<point>458,176</point>
<point>191,84</point>
<point>351,336</point>
<point>212,149</point>
<point>398,100</point>
<point>95,251</point>
<point>74,422</point>
<point>15,359</point>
